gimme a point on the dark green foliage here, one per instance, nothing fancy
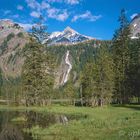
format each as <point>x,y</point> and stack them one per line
<point>37,79</point>
<point>4,45</point>
<point>80,53</point>
<point>106,71</point>
<point>121,55</point>
<point>98,79</point>
<point>9,58</point>
<point>37,84</point>
<point>134,70</point>
<point>69,91</point>
<point>20,34</point>
<point>16,55</point>
<point>39,30</point>
<point>1,81</point>
<point>11,90</point>
<point>10,36</point>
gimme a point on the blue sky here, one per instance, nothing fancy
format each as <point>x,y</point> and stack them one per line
<point>96,18</point>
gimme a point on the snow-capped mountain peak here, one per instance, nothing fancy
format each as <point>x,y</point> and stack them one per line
<point>54,34</point>
<point>68,36</point>
<point>70,30</point>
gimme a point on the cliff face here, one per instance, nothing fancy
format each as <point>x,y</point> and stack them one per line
<point>12,40</point>
<point>70,59</point>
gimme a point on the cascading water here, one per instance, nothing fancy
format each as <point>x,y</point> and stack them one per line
<point>67,61</point>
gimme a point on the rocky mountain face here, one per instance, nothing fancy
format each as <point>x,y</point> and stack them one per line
<point>70,59</point>
<point>135,26</point>
<point>66,37</point>
<point>12,40</point>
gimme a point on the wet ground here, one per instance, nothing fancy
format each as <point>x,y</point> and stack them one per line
<point>13,124</point>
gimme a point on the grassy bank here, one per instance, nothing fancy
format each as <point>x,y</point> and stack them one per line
<point>106,123</point>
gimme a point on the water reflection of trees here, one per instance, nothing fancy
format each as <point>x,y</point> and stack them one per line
<point>7,130</point>
<point>10,132</point>
<point>44,120</point>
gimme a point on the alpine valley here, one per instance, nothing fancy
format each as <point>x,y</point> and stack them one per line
<point>13,39</point>
<point>70,50</point>
<point>69,70</point>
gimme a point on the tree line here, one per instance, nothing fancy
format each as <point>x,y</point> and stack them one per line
<point>108,71</point>
<point>113,76</point>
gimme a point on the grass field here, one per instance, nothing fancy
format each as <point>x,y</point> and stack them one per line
<point>106,123</point>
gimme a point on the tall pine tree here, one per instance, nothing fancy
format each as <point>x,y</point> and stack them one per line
<point>1,81</point>
<point>134,70</point>
<point>36,80</point>
<point>98,79</point>
<point>121,42</point>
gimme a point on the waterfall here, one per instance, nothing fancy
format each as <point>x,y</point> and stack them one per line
<point>67,61</point>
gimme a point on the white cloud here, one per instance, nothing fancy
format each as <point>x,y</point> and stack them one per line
<point>63,16</point>
<point>52,12</point>
<point>44,5</point>
<point>55,1</point>
<point>57,14</point>
<point>132,16</point>
<point>20,7</point>
<point>87,15</point>
<point>33,4</point>
<point>72,2</point>
<point>35,14</point>
<point>45,8</point>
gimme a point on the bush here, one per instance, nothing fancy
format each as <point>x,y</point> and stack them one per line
<point>10,36</point>
<point>20,34</point>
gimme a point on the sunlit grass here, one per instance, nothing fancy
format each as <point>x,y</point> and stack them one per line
<point>19,119</point>
<point>106,123</point>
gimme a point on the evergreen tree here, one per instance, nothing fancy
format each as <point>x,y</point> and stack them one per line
<point>98,79</point>
<point>87,83</point>
<point>69,91</point>
<point>134,69</point>
<point>32,74</point>
<point>36,80</point>
<point>39,31</point>
<point>121,55</point>
<point>1,81</point>
<point>105,76</point>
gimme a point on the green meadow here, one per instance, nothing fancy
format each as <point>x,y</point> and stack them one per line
<point>100,123</point>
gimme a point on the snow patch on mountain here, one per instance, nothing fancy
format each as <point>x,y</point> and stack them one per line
<point>135,27</point>
<point>68,36</point>
<point>55,34</point>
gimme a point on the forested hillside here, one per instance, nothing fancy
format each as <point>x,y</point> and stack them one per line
<point>96,72</point>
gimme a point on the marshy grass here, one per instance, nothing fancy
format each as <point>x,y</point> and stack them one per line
<point>106,123</point>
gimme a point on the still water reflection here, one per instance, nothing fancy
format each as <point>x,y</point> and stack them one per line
<point>12,123</point>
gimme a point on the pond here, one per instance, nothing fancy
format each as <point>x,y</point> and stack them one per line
<point>13,124</point>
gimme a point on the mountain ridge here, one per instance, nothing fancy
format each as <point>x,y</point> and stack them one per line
<point>66,37</point>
